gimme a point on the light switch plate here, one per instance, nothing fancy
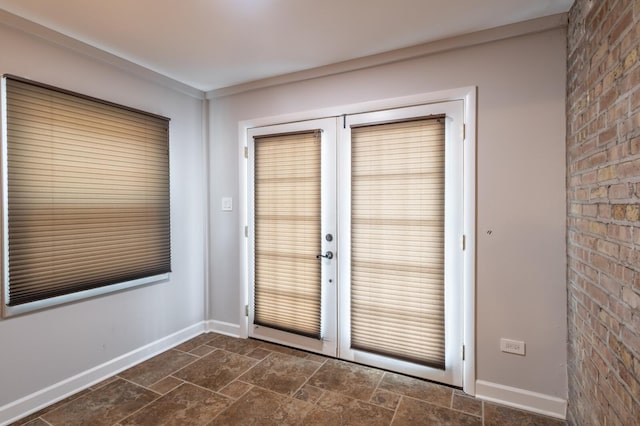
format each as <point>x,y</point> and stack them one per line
<point>227,204</point>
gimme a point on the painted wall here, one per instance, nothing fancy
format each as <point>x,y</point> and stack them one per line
<point>41,349</point>
<point>521,270</point>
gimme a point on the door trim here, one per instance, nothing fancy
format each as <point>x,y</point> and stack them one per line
<point>469,96</point>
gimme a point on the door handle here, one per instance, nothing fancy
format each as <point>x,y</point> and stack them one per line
<point>327,255</point>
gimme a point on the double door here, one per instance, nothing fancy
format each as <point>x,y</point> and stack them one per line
<point>354,235</point>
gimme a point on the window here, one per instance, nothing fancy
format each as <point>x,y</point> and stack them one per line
<point>86,196</point>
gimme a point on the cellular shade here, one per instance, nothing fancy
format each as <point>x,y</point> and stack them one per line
<point>397,240</point>
<point>88,193</point>
<point>287,232</point>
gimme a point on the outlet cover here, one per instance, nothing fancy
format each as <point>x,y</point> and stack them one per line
<point>512,346</point>
<point>227,204</point>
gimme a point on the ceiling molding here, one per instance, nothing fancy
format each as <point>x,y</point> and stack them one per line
<point>472,39</point>
<point>56,38</point>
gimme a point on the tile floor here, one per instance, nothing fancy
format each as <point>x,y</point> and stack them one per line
<point>218,380</point>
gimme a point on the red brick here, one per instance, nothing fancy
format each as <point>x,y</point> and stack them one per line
<point>617,152</point>
<point>634,146</point>
<point>633,212</point>
<point>629,169</point>
<point>608,248</point>
<point>619,211</point>
<point>620,232</point>
<point>603,150</point>
<point>620,191</point>
<point>604,211</point>
<point>606,173</point>
<point>590,210</point>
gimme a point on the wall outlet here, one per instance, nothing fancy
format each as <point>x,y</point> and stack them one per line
<point>512,346</point>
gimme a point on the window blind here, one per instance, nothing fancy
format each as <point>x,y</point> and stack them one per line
<point>397,240</point>
<point>88,193</point>
<point>287,232</point>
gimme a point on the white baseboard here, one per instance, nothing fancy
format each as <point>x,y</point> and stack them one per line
<point>523,399</point>
<point>38,400</point>
<point>225,328</point>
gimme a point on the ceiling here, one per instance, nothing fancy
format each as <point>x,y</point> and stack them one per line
<point>211,44</point>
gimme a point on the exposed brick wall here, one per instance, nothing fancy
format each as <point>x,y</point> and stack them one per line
<point>603,178</point>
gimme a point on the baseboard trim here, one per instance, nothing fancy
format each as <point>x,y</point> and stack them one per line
<point>523,399</point>
<point>38,400</point>
<point>222,327</point>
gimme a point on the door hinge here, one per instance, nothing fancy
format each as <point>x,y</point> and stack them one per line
<point>246,152</point>
<point>246,310</point>
<point>464,132</point>
<point>463,352</point>
<point>246,231</point>
<point>463,242</point>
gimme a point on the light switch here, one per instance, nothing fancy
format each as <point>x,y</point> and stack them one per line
<point>227,204</point>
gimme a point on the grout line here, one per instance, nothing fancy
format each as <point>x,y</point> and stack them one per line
<point>144,406</point>
<point>395,411</point>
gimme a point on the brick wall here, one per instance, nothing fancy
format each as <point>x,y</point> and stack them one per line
<point>603,178</point>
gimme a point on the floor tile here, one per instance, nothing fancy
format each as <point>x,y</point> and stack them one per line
<point>165,385</point>
<point>309,393</point>
<point>336,409</point>
<point>416,388</point>
<point>216,370</point>
<point>37,422</point>
<point>466,403</point>
<point>186,405</point>
<point>259,353</point>
<point>385,399</point>
<point>104,382</point>
<point>283,349</point>
<point>197,341</point>
<point>347,378</point>
<point>104,406</point>
<point>316,358</point>
<point>231,344</point>
<point>202,350</point>
<point>158,367</point>
<point>281,373</point>
<point>261,407</point>
<point>34,416</point>
<point>413,412</point>
<point>235,389</point>
<point>498,415</point>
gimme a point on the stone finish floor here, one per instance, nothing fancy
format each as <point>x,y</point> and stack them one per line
<point>218,380</point>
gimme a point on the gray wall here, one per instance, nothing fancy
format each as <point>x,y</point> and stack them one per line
<point>521,270</point>
<point>44,348</point>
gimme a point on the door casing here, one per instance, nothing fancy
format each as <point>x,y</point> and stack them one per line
<point>468,96</point>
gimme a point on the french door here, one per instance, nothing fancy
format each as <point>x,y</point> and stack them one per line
<point>355,225</point>
<point>292,223</point>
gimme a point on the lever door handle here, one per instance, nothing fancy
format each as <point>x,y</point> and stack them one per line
<point>327,255</point>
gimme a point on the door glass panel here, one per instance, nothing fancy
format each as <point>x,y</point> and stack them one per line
<point>397,240</point>
<point>287,184</point>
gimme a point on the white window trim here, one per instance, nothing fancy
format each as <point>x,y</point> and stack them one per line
<point>469,96</point>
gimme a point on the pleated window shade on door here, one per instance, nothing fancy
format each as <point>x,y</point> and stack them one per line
<point>397,240</point>
<point>88,193</point>
<point>287,232</point>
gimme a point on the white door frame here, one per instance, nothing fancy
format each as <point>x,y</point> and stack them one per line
<point>469,97</point>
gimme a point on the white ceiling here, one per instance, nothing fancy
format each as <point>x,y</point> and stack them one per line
<point>211,44</point>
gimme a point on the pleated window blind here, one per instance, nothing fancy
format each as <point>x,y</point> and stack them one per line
<point>287,232</point>
<point>88,193</point>
<point>397,241</point>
